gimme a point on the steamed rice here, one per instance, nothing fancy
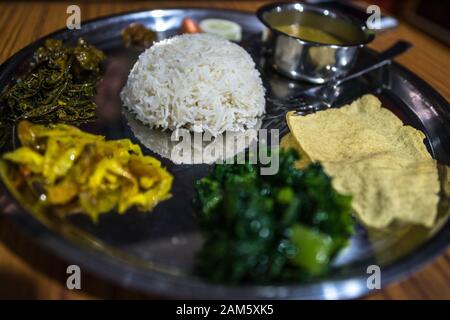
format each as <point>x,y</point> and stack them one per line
<point>196,81</point>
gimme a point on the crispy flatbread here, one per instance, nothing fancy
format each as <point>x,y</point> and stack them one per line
<point>372,156</point>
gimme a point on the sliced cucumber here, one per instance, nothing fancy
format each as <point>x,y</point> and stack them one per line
<point>224,28</point>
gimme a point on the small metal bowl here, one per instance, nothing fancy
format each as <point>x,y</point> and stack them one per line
<point>307,60</point>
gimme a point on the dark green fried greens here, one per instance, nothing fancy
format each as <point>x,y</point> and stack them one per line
<point>59,87</point>
<point>269,228</point>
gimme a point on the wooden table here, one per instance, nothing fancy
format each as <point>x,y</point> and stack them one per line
<point>41,275</point>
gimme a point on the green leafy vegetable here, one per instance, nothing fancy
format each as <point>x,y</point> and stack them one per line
<point>269,228</point>
<point>59,87</point>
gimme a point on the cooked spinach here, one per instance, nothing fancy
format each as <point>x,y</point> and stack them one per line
<point>269,228</point>
<point>59,87</point>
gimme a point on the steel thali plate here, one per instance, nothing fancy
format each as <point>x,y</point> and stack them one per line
<point>153,253</point>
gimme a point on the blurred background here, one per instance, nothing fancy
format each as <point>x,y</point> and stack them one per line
<point>430,16</point>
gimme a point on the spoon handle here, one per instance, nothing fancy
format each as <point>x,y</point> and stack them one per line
<point>324,95</point>
<point>378,61</point>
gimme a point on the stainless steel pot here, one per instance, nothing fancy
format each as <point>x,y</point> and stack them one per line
<point>307,60</point>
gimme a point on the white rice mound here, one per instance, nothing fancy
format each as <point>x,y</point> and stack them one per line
<point>196,81</point>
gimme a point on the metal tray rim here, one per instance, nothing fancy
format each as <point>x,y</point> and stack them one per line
<point>170,286</point>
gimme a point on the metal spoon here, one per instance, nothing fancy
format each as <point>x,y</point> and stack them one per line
<point>324,95</point>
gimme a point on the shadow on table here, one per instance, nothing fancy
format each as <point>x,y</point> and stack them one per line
<point>14,286</point>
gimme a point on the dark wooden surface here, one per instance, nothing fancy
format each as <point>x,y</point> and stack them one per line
<point>28,272</point>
